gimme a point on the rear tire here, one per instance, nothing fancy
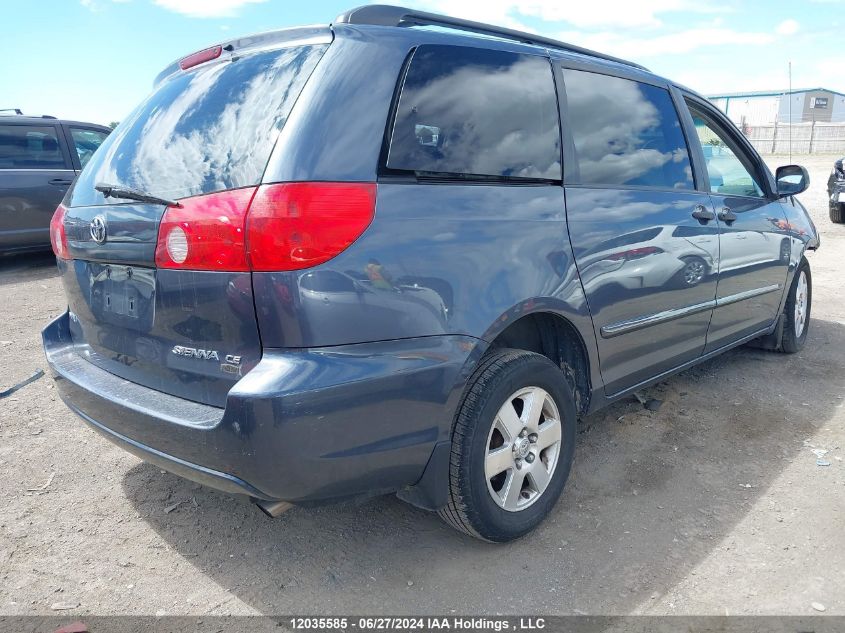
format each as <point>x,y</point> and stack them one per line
<point>506,434</point>
<point>796,313</point>
<point>837,213</point>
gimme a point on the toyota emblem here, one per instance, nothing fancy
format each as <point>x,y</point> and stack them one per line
<point>98,229</point>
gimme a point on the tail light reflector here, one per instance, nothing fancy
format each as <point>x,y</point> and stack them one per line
<point>58,236</point>
<point>288,226</point>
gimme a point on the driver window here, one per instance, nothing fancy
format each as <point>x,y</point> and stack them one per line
<point>728,175</point>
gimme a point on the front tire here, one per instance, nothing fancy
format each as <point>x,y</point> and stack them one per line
<point>512,446</point>
<point>837,213</point>
<point>797,310</point>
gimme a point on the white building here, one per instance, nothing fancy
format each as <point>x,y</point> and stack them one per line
<point>766,108</point>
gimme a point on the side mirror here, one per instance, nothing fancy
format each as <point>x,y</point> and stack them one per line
<point>791,180</point>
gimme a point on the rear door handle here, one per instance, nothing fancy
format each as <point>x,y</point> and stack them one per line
<point>703,214</point>
<point>726,215</point>
<point>59,182</point>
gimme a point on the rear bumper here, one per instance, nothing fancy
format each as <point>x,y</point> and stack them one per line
<point>303,425</point>
<point>194,472</point>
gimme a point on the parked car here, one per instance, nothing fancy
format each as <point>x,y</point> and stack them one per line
<point>39,158</point>
<point>836,193</point>
<point>332,262</point>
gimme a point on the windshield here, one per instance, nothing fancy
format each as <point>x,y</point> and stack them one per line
<point>205,130</point>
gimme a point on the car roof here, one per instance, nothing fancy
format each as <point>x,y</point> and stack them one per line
<point>403,22</point>
<point>400,18</point>
<point>416,35</point>
<point>424,35</point>
<point>388,15</point>
<point>45,119</point>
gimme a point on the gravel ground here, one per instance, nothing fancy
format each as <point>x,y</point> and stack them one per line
<point>714,504</point>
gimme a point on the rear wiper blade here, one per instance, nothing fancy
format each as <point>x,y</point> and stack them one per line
<point>125,193</point>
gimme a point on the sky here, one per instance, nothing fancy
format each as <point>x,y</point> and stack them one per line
<point>94,60</point>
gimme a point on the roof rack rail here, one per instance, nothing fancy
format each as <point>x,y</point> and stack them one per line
<point>386,15</point>
<point>18,112</point>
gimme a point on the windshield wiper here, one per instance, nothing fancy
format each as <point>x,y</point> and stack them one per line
<point>125,193</point>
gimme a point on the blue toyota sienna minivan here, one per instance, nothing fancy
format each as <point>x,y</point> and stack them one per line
<point>378,257</point>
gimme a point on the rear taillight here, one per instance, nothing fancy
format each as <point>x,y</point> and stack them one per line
<point>302,224</point>
<point>205,232</point>
<point>58,236</point>
<point>280,227</point>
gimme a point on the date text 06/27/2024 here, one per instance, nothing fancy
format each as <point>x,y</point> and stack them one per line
<point>386,623</point>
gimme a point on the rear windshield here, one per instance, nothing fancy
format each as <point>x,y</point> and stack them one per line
<point>208,129</point>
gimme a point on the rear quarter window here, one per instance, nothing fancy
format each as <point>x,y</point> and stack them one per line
<point>208,129</point>
<point>476,112</point>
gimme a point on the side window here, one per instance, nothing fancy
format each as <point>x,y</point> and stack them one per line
<point>86,141</point>
<point>476,112</point>
<point>726,164</point>
<point>30,147</point>
<point>625,132</point>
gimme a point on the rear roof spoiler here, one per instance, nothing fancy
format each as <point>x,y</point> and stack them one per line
<point>386,15</point>
<point>305,34</point>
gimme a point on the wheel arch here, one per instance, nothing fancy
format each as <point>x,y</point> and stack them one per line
<point>542,330</point>
<point>555,337</point>
<point>791,270</point>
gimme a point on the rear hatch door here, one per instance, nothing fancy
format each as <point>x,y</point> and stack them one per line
<point>210,129</point>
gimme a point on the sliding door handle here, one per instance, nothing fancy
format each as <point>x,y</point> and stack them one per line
<point>727,216</point>
<point>703,214</point>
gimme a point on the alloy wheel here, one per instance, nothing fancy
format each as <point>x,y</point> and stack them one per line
<point>800,316</point>
<point>523,447</point>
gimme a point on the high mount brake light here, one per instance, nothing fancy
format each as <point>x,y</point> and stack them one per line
<point>58,236</point>
<point>200,57</point>
<point>288,226</point>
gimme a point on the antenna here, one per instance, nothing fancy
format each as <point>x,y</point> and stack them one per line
<point>790,111</point>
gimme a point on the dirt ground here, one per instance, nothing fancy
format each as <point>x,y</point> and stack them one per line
<point>714,504</point>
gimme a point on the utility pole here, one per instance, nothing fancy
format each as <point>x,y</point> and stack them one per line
<point>790,112</point>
